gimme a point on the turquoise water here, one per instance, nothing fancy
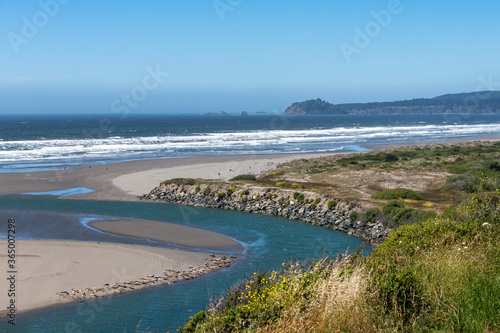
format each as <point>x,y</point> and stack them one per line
<point>268,242</point>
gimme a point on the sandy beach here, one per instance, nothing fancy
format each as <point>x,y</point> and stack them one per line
<point>47,268</point>
<point>168,232</point>
<point>125,181</point>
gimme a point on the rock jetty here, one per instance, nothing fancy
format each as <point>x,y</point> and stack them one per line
<point>304,206</point>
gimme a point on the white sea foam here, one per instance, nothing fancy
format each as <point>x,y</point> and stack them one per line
<point>232,142</point>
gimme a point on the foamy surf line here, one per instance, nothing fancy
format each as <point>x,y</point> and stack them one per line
<point>272,141</point>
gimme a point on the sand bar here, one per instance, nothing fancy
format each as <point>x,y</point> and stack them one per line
<point>46,268</point>
<point>167,232</point>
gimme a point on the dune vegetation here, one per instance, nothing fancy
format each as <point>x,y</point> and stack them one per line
<point>434,273</point>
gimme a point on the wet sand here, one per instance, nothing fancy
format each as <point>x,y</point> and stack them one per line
<point>168,232</point>
<point>47,268</point>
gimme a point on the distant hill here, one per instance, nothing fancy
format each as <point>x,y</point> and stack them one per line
<point>477,102</point>
<point>314,106</point>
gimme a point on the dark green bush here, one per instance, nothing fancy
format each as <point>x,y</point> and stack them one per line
<point>244,177</point>
<point>390,158</point>
<point>181,181</point>
<point>244,192</point>
<point>331,204</point>
<point>207,191</point>
<point>395,213</point>
<point>300,198</point>
<point>353,215</point>
<point>370,215</point>
<point>494,166</point>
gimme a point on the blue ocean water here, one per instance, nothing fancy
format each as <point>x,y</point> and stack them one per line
<point>56,141</point>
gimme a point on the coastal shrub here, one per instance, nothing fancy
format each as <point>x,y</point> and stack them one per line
<point>331,204</point>
<point>390,158</point>
<point>398,193</point>
<point>299,197</point>
<point>281,202</point>
<point>288,202</point>
<point>370,215</point>
<point>463,182</point>
<point>295,185</point>
<point>207,191</point>
<point>244,192</point>
<point>275,195</point>
<point>230,191</point>
<point>494,166</point>
<point>221,195</point>
<point>395,213</point>
<point>181,181</point>
<point>193,323</point>
<point>257,197</point>
<point>353,215</point>
<point>317,201</point>
<point>197,189</point>
<point>244,177</point>
<point>280,183</point>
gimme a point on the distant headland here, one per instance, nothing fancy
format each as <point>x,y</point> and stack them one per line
<point>476,102</point>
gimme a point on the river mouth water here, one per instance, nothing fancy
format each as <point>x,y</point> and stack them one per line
<point>268,242</point>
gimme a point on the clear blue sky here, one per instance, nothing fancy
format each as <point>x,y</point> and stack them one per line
<point>246,55</point>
